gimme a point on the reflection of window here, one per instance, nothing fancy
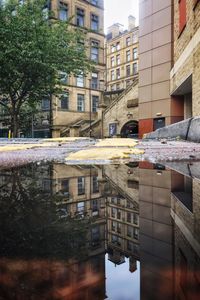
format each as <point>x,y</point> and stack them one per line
<point>95,234</point>
<point>135,68</point>
<point>128,217</point>
<point>95,51</point>
<point>95,103</point>
<point>114,225</point>
<point>116,240</point>
<point>80,207</point>
<point>114,212</point>
<point>80,17</point>
<point>63,11</point>
<point>95,184</point>
<point>94,205</point>
<point>129,231</point>
<point>94,2</point>
<point>119,227</point>
<point>119,214</point>
<point>81,185</point>
<point>136,219</point>
<point>94,22</point>
<point>136,233</point>
<point>65,186</point>
<point>46,184</point>
<point>80,102</point>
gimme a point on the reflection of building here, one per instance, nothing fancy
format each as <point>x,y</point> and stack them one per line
<point>122,214</point>
<point>156,232</point>
<point>185,213</point>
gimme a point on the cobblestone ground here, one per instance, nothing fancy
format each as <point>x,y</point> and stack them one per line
<point>22,151</point>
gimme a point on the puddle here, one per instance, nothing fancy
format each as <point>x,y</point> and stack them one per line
<point>118,232</point>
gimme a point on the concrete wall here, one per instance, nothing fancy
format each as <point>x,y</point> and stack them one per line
<point>187,130</point>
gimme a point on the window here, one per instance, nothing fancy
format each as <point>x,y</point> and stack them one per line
<point>95,103</point>
<point>114,212</point>
<point>118,86</point>
<point>135,53</point>
<point>45,104</point>
<point>112,75</point>
<point>95,184</point>
<point>94,2</point>
<point>64,101</point>
<point>128,55</point>
<point>135,37</point>
<point>128,217</point>
<point>136,233</point>
<point>63,77</point>
<point>182,15</point>
<point>112,60</point>
<point>80,102</point>
<point>94,22</point>
<point>114,225</point>
<point>135,68</point>
<point>63,11</point>
<point>118,73</point>
<point>113,48</point>
<point>94,80</point>
<point>80,17</point>
<point>118,59</point>
<point>95,51</point>
<point>128,70</point>
<point>128,41</point>
<point>80,80</point>
<point>118,46</point>
<point>80,207</point>
<point>81,185</point>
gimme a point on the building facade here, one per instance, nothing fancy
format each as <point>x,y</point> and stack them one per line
<point>169,63</point>
<point>121,55</point>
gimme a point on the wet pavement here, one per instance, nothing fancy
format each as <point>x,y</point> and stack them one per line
<point>125,231</point>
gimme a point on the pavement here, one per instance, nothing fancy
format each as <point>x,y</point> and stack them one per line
<point>18,152</point>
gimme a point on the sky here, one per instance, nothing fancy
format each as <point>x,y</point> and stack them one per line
<point>117,11</point>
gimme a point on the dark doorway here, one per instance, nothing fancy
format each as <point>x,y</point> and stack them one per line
<point>158,123</point>
<point>130,130</point>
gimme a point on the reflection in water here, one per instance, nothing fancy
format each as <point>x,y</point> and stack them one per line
<point>57,222</point>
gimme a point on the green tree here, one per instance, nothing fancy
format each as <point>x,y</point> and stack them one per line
<point>34,47</point>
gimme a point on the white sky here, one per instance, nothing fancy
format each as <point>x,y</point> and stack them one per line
<point>117,11</point>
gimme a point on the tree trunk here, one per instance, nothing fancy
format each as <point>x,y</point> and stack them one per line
<point>15,124</point>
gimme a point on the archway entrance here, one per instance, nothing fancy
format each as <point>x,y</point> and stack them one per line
<point>130,130</point>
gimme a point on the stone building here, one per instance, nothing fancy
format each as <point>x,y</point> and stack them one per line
<point>120,111</point>
<point>185,73</point>
<point>169,50</point>
<point>121,55</point>
<point>77,106</point>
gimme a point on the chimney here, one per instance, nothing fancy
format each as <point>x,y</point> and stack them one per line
<point>131,22</point>
<point>115,30</point>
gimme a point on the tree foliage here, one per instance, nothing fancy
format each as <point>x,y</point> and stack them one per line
<point>34,47</point>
